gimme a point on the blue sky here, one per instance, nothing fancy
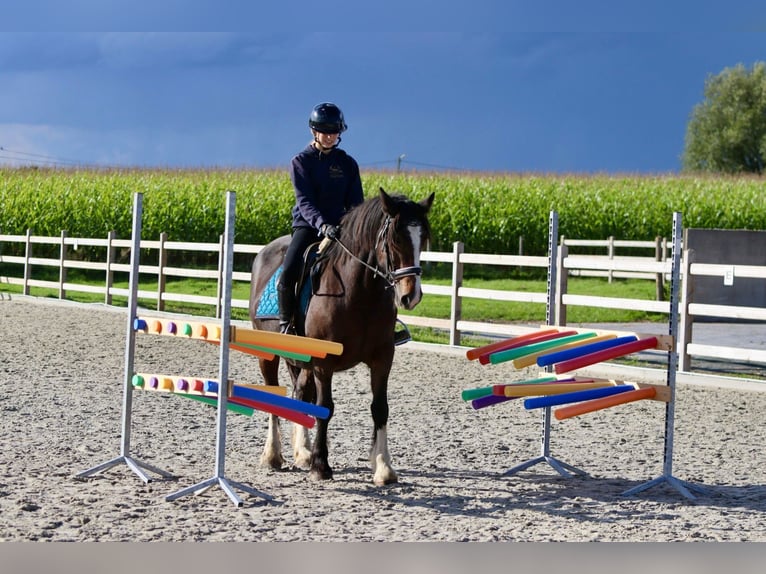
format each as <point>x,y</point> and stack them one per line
<point>561,87</point>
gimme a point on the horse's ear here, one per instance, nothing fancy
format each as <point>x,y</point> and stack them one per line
<point>389,205</point>
<point>427,202</point>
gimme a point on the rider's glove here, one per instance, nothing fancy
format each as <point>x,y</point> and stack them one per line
<point>329,231</point>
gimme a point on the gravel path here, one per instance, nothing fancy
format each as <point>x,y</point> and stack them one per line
<point>61,371</point>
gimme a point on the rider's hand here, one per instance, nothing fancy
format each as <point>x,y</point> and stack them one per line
<point>329,231</point>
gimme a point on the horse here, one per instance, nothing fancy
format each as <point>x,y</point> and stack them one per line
<point>358,282</point>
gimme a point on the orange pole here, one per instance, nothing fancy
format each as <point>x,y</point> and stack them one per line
<point>606,402</point>
<point>282,342</point>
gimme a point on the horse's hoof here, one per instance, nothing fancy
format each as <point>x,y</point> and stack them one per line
<point>382,472</point>
<point>384,478</point>
<point>320,474</point>
<point>273,462</point>
<point>302,459</point>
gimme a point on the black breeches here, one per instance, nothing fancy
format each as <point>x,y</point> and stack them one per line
<point>293,263</point>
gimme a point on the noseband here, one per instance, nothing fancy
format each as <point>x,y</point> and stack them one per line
<point>391,276</point>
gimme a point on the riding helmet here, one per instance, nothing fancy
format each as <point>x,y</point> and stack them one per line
<point>327,118</point>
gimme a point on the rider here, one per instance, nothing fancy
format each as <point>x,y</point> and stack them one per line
<point>327,184</point>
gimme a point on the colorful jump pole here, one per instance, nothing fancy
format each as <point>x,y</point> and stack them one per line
<point>240,409</point>
<point>470,394</point>
<point>553,388</point>
<point>259,396</point>
<point>605,402</point>
<point>477,352</point>
<point>606,354</point>
<point>486,358</point>
<point>564,338</point>
<point>283,342</point>
<point>577,396</point>
<point>488,401</point>
<point>531,359</point>
<point>555,356</point>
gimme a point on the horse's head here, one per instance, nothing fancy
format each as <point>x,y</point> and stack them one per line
<point>400,241</point>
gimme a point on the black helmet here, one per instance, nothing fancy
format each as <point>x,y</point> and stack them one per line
<point>327,118</point>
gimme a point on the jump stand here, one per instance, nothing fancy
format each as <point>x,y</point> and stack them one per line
<point>219,477</point>
<point>136,466</point>
<point>559,466</point>
<point>225,394</point>
<point>565,350</point>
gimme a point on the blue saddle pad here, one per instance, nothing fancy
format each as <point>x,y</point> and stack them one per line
<point>268,306</point>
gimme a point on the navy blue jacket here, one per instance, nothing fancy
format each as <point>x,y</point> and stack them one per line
<point>326,186</point>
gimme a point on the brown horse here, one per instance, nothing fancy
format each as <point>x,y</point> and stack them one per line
<point>361,279</point>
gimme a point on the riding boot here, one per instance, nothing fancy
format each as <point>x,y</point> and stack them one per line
<point>286,299</point>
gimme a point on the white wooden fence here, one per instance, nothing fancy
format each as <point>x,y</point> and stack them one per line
<point>655,267</point>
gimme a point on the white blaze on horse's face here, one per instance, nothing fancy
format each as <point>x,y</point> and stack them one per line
<point>408,289</point>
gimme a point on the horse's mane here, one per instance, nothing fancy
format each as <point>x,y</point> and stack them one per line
<point>361,225</point>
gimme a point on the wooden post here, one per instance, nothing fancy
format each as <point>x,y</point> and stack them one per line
<point>27,266</point>
<point>610,254</point>
<point>455,301</point>
<point>109,273</point>
<point>659,255</point>
<point>161,263</point>
<point>687,320</point>
<point>62,266</point>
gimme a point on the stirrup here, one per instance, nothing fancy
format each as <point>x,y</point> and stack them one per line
<point>286,328</point>
<point>402,335</point>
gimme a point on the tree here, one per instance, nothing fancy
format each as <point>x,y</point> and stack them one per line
<point>727,131</point>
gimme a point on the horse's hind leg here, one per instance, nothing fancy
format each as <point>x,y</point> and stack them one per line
<point>380,458</point>
<point>301,442</point>
<point>272,450</point>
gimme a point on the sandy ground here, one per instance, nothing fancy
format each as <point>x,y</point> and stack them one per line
<point>61,373</point>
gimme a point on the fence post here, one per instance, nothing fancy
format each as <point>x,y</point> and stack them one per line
<point>562,277</point>
<point>221,279</point>
<point>27,266</point>
<point>610,254</point>
<point>161,264</point>
<point>62,267</point>
<point>109,273</point>
<point>687,320</point>
<point>660,277</point>
<point>455,302</point>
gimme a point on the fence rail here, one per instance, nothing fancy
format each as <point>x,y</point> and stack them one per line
<point>655,267</point>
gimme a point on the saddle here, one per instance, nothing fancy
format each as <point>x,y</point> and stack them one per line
<point>268,305</point>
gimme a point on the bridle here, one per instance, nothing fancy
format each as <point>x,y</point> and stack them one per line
<point>391,276</point>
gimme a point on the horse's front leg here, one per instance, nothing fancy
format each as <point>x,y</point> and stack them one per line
<point>272,450</point>
<point>380,458</point>
<point>320,466</point>
<point>303,387</point>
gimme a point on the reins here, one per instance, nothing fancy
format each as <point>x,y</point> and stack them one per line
<point>390,276</point>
